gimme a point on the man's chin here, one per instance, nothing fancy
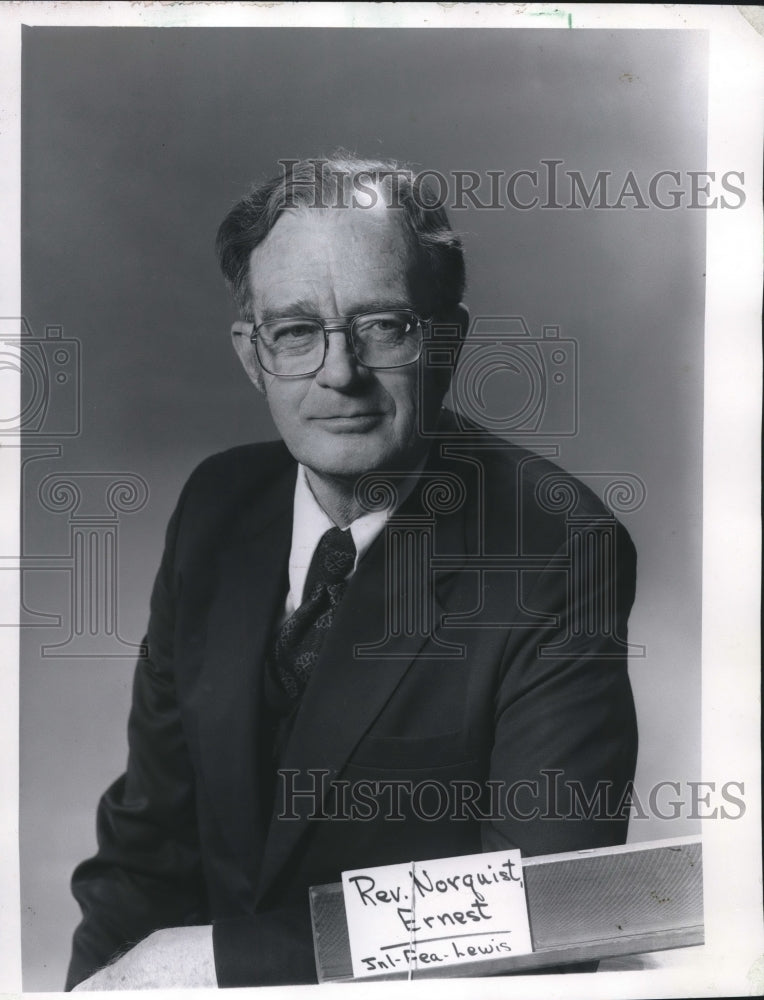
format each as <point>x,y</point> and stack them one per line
<point>346,469</point>
<point>348,456</point>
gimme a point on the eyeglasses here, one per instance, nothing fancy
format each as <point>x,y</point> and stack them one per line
<point>294,347</point>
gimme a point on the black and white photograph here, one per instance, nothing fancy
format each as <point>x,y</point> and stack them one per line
<point>381,397</point>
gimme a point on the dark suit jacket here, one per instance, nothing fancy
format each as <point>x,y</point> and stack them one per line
<point>537,691</point>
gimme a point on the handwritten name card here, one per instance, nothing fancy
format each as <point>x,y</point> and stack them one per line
<point>420,915</point>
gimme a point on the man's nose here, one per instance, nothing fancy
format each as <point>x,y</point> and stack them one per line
<point>341,367</point>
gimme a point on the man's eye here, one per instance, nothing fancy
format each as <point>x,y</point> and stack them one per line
<point>293,331</point>
<point>384,327</point>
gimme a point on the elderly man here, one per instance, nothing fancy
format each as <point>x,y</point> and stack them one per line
<point>370,642</point>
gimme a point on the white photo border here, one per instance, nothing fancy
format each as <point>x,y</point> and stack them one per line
<point>731,961</point>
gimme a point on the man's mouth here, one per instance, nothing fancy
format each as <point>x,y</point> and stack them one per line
<point>350,421</point>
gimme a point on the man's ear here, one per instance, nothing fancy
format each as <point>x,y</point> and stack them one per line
<point>453,316</point>
<point>449,328</point>
<point>457,317</point>
<point>461,318</point>
<point>463,315</point>
<point>241,331</point>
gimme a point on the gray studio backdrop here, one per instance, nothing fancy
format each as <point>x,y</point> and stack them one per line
<point>135,144</point>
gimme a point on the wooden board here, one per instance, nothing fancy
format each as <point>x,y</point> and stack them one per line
<point>582,906</point>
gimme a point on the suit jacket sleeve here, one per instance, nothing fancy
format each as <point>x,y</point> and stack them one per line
<point>566,738</point>
<point>147,872</point>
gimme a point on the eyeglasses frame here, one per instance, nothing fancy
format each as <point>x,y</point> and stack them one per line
<point>345,323</point>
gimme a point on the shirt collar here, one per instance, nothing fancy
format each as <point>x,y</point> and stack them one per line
<point>309,523</point>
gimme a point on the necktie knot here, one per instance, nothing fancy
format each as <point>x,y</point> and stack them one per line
<point>332,561</point>
<point>299,640</point>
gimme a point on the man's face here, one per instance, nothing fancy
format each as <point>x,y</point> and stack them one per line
<point>345,419</point>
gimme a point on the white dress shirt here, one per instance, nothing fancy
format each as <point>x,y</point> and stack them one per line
<point>309,523</point>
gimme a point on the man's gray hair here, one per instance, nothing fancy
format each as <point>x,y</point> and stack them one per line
<point>345,180</point>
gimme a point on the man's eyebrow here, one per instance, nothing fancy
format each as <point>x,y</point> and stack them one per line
<point>379,305</point>
<point>297,307</point>
<point>305,308</point>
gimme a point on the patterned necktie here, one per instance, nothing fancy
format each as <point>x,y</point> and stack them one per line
<point>300,638</point>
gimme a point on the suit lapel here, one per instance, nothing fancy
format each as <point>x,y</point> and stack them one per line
<point>249,585</point>
<point>351,686</point>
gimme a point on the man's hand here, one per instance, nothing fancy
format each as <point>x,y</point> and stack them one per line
<point>177,956</point>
